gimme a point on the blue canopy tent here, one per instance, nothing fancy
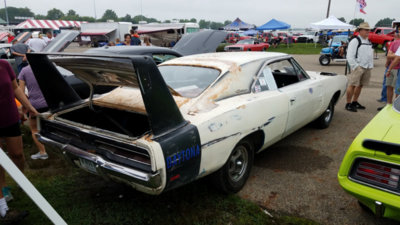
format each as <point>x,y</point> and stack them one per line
<point>250,32</point>
<point>238,25</point>
<point>274,25</point>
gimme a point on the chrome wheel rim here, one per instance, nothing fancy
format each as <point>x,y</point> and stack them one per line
<point>325,61</point>
<point>238,162</point>
<point>328,114</point>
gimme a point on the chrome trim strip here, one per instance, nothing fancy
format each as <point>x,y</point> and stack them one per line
<point>106,167</point>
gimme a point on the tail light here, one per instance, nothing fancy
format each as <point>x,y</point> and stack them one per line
<point>379,174</point>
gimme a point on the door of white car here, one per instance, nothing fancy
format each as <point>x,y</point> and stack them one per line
<point>303,93</point>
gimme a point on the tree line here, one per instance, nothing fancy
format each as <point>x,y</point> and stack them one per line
<point>109,14</point>
<point>57,14</point>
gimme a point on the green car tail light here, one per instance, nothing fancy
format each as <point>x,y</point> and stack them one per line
<point>377,174</point>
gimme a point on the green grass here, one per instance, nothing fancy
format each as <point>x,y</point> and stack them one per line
<point>297,48</point>
<point>82,198</point>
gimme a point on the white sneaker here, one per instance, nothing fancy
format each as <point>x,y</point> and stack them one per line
<point>39,156</point>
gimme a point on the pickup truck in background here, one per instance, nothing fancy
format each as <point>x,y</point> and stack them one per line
<point>381,36</point>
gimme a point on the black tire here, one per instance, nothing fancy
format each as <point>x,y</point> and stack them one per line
<point>233,175</point>
<point>264,49</point>
<point>249,49</point>
<point>325,119</point>
<point>324,60</point>
<point>365,208</point>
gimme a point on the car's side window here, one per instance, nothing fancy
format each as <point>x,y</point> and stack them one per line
<point>265,81</point>
<point>284,73</point>
<point>301,74</point>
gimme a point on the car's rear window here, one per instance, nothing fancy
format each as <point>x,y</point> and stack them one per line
<point>188,81</point>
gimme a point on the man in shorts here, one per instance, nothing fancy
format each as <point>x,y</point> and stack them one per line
<point>360,57</point>
<point>395,62</point>
<point>392,76</point>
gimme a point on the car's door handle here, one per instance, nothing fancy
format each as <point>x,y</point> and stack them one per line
<point>292,100</point>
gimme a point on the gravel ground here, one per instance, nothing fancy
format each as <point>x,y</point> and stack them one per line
<point>299,174</point>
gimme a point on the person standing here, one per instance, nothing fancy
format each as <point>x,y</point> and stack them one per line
<point>392,76</point>
<point>10,132</point>
<point>49,37</point>
<point>36,44</point>
<point>127,40</point>
<point>19,51</point>
<point>393,64</point>
<point>135,39</point>
<point>10,38</point>
<point>361,60</point>
<point>146,41</point>
<point>36,98</point>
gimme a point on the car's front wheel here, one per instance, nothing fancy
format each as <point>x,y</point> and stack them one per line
<point>324,60</point>
<point>325,119</point>
<point>233,175</point>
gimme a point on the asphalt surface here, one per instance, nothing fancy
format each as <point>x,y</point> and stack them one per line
<point>298,175</point>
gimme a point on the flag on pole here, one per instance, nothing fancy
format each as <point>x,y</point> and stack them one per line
<point>362,4</point>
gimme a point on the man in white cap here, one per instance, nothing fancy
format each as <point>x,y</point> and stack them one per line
<point>36,44</point>
<point>360,57</point>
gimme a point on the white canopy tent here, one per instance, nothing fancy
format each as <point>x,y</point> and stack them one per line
<point>331,23</point>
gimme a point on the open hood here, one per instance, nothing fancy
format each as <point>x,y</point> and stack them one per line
<point>59,43</point>
<point>136,71</point>
<point>200,42</point>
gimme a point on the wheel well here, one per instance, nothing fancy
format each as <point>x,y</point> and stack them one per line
<point>257,138</point>
<point>336,97</point>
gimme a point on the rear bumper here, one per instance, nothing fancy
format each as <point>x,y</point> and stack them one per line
<point>150,183</point>
<point>382,203</point>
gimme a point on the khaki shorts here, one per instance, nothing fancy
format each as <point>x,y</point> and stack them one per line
<point>359,77</point>
<point>392,78</point>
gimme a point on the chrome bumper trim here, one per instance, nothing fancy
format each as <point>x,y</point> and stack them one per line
<point>104,167</point>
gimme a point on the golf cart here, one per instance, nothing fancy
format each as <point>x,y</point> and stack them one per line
<point>336,51</point>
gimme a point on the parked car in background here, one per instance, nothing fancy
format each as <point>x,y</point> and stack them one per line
<point>380,36</point>
<point>235,37</point>
<point>308,37</point>
<point>370,170</point>
<point>247,45</point>
<point>163,127</point>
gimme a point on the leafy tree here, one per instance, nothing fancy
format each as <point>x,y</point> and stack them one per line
<point>126,18</point>
<point>87,19</point>
<point>54,14</point>
<point>216,25</point>
<point>342,19</point>
<point>167,21</point>
<point>138,18</point>
<point>40,17</point>
<point>387,22</point>
<point>71,15</point>
<point>13,12</point>
<point>109,15</point>
<point>204,24</point>
<point>227,22</point>
<point>193,20</point>
<point>356,21</point>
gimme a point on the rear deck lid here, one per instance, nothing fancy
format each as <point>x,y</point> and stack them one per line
<point>136,71</point>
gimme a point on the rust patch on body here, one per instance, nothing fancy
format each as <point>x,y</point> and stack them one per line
<point>241,107</point>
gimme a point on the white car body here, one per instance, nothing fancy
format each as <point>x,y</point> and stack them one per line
<point>245,100</point>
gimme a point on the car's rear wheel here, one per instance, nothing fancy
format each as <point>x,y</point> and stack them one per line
<point>325,119</point>
<point>249,49</point>
<point>233,175</point>
<point>264,49</point>
<point>324,60</point>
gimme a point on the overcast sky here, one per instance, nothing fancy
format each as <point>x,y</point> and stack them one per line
<point>298,13</point>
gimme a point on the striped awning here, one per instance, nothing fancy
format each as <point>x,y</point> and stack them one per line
<point>48,24</point>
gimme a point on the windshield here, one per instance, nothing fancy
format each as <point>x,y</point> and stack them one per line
<point>339,39</point>
<point>246,41</point>
<point>188,81</point>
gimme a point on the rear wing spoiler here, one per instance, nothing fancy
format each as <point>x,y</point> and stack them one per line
<point>133,71</point>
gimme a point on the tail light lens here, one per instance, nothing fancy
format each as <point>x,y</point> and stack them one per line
<point>379,174</point>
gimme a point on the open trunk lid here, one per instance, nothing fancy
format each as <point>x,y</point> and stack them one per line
<point>200,42</point>
<point>136,71</point>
